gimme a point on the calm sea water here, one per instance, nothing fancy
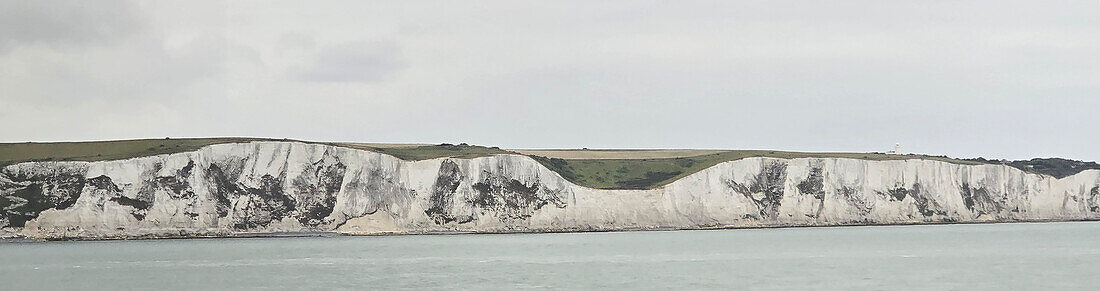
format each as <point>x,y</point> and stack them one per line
<point>964,257</point>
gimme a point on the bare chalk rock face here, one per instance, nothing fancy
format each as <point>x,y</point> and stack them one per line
<point>262,187</point>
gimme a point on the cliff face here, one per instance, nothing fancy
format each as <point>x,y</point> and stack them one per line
<point>284,186</point>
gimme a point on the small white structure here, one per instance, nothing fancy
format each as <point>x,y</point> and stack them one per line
<point>896,151</point>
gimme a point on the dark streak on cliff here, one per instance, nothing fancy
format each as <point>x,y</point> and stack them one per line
<point>223,187</point>
<point>769,182</point>
<point>441,201</point>
<point>511,199</point>
<point>261,206</point>
<point>316,189</point>
<point>814,185</point>
<point>1094,199</point>
<point>177,185</point>
<point>979,199</point>
<point>850,195</point>
<point>108,188</point>
<point>28,195</point>
<point>926,205</point>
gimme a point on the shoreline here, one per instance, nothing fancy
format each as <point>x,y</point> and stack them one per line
<point>304,234</point>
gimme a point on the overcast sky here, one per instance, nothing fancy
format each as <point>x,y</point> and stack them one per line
<point>1001,79</point>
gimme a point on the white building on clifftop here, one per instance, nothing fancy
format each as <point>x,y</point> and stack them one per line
<point>896,151</point>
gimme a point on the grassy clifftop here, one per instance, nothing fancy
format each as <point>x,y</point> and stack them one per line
<point>91,151</point>
<point>427,152</point>
<point>105,150</point>
<point>602,169</point>
<point>650,173</point>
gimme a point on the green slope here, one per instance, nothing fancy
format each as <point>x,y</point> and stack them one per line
<point>91,151</point>
<point>624,173</point>
<point>105,150</point>
<point>427,152</point>
<point>652,173</point>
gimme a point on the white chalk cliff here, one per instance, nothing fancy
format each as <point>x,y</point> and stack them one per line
<point>287,186</point>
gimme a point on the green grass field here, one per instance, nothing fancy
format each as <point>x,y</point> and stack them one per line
<point>11,153</point>
<point>606,154</point>
<point>427,152</point>
<point>105,150</point>
<point>602,169</point>
<point>652,173</point>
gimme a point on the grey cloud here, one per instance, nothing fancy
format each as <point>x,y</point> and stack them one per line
<point>296,40</point>
<point>363,62</point>
<point>143,73</point>
<point>1001,79</point>
<point>65,23</point>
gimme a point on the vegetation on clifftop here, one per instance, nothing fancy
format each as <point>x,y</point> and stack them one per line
<point>652,173</point>
<point>1057,167</point>
<point>91,151</point>
<point>601,169</point>
<point>427,152</point>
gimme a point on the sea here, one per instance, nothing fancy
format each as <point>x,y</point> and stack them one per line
<point>1010,256</point>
